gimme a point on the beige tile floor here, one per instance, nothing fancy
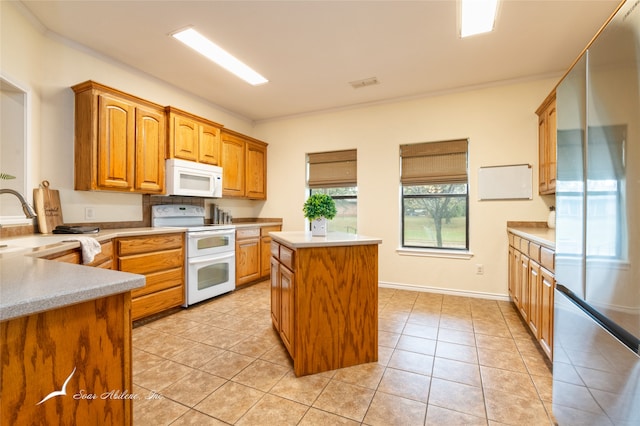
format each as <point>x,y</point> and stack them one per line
<point>443,360</point>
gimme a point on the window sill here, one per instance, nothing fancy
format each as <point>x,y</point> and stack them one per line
<point>449,254</point>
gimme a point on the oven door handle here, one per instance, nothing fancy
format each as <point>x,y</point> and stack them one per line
<point>200,234</point>
<point>209,259</point>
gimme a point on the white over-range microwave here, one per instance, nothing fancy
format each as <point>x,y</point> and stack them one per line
<point>193,179</point>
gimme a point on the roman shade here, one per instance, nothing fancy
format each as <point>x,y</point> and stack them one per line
<point>332,169</point>
<point>434,162</point>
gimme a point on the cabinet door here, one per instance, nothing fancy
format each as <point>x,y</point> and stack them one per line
<point>513,269</point>
<point>150,144</point>
<point>256,168</point>
<point>247,260</point>
<point>185,135</point>
<point>209,145</point>
<point>116,143</point>
<point>517,278</point>
<point>287,308</point>
<point>265,256</point>
<point>275,293</point>
<point>524,287</point>
<point>233,166</point>
<point>547,141</point>
<point>551,148</point>
<point>534,294</point>
<point>547,285</point>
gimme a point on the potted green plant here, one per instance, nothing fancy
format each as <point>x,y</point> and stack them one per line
<point>318,209</point>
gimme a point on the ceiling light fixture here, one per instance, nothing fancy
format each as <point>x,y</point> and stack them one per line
<point>477,16</point>
<point>215,53</point>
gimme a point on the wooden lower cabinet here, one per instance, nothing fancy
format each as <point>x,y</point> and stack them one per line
<point>88,344</point>
<point>547,285</point>
<point>276,292</point>
<point>253,253</point>
<point>160,258</point>
<point>104,259</point>
<point>531,286</point>
<point>324,305</point>
<point>247,255</point>
<point>287,303</point>
<point>534,299</point>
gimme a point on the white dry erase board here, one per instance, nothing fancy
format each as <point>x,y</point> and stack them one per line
<point>505,182</point>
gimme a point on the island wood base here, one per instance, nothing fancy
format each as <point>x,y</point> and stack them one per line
<point>324,304</point>
<point>40,351</point>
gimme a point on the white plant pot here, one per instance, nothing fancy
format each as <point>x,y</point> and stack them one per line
<point>319,227</point>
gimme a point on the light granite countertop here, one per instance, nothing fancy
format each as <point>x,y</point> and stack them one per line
<point>302,239</point>
<point>541,235</point>
<point>30,285</point>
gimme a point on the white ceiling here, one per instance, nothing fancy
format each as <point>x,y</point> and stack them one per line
<point>311,50</point>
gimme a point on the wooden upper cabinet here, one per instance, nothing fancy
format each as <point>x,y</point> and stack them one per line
<point>547,145</point>
<point>119,141</point>
<point>209,147</point>
<point>149,176</point>
<point>244,166</point>
<point>183,138</point>
<point>256,171</point>
<point>116,143</point>
<point>192,138</point>
<point>233,164</point>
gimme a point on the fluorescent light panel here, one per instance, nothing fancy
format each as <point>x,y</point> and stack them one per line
<point>478,16</point>
<point>215,53</point>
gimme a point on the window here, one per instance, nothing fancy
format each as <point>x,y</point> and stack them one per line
<point>334,173</point>
<point>435,196</point>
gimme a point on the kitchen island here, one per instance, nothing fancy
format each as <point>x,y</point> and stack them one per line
<point>67,329</point>
<point>324,299</point>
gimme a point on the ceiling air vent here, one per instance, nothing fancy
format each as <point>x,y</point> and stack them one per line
<point>363,83</point>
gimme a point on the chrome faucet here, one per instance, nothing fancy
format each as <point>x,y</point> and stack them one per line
<point>26,208</point>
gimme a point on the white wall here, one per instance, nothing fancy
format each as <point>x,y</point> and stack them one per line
<point>501,126</point>
<point>499,122</point>
<point>49,66</point>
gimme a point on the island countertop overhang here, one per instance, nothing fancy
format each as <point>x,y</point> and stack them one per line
<point>30,285</point>
<point>303,239</point>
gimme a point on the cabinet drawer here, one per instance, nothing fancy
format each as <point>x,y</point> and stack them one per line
<point>162,280</point>
<point>264,231</point>
<point>72,256</point>
<point>242,234</point>
<point>146,244</point>
<point>511,238</point>
<point>286,257</point>
<point>534,251</point>
<point>156,302</point>
<point>151,262</point>
<point>524,246</point>
<point>547,259</point>
<point>275,249</point>
<point>516,242</point>
<point>104,257</point>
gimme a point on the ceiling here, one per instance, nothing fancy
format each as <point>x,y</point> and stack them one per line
<point>310,50</point>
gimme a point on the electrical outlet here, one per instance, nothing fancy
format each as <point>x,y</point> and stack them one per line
<point>479,269</point>
<point>89,213</point>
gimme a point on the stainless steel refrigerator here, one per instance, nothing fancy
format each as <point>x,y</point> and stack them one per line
<point>596,364</point>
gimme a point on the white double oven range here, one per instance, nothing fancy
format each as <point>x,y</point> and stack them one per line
<point>210,263</point>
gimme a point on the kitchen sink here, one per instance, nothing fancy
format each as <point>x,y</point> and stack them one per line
<point>9,245</point>
<point>7,249</point>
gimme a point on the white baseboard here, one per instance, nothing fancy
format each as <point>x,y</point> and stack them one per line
<point>463,293</point>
